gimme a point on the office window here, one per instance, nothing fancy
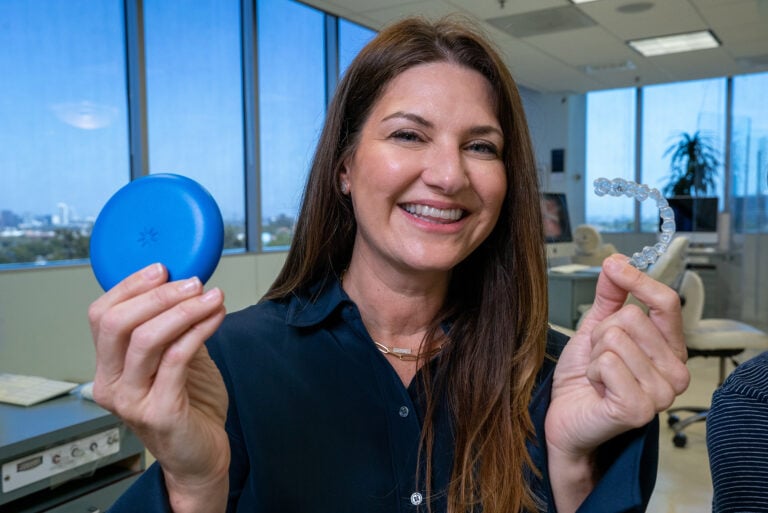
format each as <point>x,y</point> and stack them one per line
<point>610,153</point>
<point>669,111</point>
<point>63,124</point>
<point>195,101</point>
<point>291,109</point>
<point>749,154</point>
<point>352,39</point>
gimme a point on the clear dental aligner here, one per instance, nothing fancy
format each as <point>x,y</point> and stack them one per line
<point>621,187</point>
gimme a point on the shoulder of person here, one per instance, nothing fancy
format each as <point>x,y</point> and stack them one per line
<point>254,324</point>
<point>749,379</point>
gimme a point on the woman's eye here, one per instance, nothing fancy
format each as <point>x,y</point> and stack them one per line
<point>406,135</point>
<point>483,147</point>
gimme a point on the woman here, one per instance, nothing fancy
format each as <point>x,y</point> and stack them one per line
<point>398,361</point>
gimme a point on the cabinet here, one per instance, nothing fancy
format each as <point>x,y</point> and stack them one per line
<point>567,292</point>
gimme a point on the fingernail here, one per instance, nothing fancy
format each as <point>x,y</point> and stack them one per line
<point>153,271</point>
<point>612,262</point>
<point>189,284</point>
<point>211,295</point>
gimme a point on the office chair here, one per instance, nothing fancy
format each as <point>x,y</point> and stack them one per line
<point>590,248</point>
<point>720,338</point>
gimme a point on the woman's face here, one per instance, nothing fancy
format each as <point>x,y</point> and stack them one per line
<point>427,179</point>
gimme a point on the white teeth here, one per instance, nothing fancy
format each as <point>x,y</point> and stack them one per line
<point>450,214</point>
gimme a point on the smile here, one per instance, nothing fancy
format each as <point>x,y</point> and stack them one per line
<point>438,215</point>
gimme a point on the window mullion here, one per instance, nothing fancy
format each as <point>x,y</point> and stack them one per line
<point>331,56</point>
<point>250,71</point>
<point>137,88</point>
<point>638,152</point>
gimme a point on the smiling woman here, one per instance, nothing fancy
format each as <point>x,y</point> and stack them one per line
<point>426,178</point>
<point>414,299</point>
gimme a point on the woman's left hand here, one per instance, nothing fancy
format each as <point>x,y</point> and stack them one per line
<point>618,371</point>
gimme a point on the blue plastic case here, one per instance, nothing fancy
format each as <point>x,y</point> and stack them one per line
<point>164,218</point>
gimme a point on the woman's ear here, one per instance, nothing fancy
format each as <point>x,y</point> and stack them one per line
<point>344,179</point>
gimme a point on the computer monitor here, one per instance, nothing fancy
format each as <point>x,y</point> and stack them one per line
<point>557,226</point>
<point>696,218</point>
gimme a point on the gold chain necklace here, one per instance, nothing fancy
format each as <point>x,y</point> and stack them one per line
<point>401,353</point>
<point>406,355</point>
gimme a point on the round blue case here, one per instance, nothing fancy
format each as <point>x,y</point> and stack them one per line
<point>164,218</point>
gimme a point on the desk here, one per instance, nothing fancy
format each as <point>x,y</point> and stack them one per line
<point>66,455</point>
<point>567,291</point>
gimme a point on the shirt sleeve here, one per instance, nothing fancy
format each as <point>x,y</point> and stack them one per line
<point>628,466</point>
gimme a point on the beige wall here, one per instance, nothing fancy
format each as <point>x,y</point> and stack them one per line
<point>43,312</point>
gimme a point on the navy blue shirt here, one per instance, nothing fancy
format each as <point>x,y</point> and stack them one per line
<point>320,422</point>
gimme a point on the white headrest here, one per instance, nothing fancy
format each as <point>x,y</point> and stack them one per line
<point>587,239</point>
<point>670,266</point>
<point>692,292</point>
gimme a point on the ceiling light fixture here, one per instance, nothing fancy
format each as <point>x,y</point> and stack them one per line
<point>677,43</point>
<point>581,1</point>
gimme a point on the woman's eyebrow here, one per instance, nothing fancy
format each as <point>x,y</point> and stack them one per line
<point>475,130</point>
<point>485,130</point>
<point>411,117</point>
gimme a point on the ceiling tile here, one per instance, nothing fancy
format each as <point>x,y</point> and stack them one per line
<point>556,62</point>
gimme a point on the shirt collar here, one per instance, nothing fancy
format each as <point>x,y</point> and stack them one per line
<point>313,306</point>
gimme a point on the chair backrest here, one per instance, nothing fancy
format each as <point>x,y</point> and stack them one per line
<point>692,295</point>
<point>669,268</point>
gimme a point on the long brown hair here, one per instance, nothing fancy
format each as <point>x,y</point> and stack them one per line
<point>496,303</point>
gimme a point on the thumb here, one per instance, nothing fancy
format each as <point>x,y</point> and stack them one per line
<point>613,285</point>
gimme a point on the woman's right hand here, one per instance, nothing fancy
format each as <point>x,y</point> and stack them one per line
<point>154,372</point>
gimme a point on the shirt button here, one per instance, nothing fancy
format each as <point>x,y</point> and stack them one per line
<point>416,498</point>
<point>403,411</point>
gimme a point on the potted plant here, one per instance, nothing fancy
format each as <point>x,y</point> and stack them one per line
<point>694,166</point>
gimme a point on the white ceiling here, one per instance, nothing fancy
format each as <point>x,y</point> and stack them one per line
<point>549,59</point>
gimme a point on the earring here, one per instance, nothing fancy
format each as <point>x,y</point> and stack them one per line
<point>344,187</point>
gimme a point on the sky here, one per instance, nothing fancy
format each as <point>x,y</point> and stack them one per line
<point>63,110</point>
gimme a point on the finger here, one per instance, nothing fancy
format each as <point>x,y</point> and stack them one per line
<point>631,327</point>
<point>610,295</point>
<point>158,335</point>
<point>653,380</point>
<point>625,402</point>
<point>135,284</point>
<point>618,279</point>
<point>173,372</point>
<point>117,324</point>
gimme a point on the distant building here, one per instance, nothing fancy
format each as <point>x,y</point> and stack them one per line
<point>64,215</point>
<point>9,219</point>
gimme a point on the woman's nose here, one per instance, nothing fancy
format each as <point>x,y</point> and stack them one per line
<point>446,170</point>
